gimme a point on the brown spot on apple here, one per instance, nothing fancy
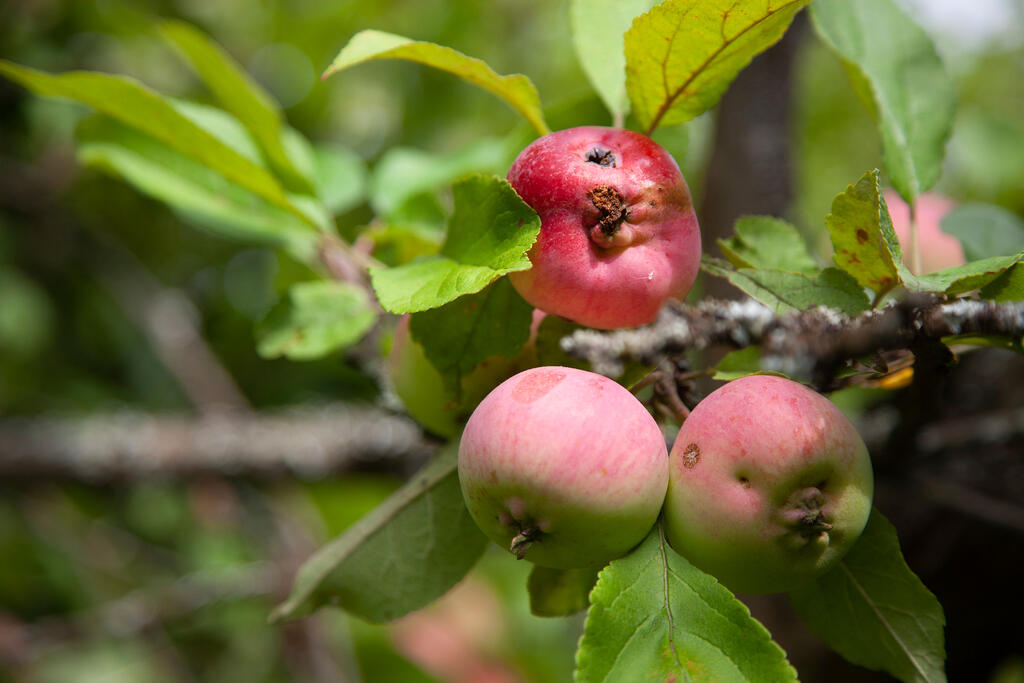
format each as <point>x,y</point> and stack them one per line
<point>691,456</point>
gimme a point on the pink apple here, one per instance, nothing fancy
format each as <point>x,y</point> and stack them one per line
<point>938,250</point>
<point>564,467</point>
<point>769,485</point>
<point>618,232</point>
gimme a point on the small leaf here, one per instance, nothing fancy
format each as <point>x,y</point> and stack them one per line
<point>768,243</point>
<point>489,234</point>
<point>961,279</point>
<point>598,34</point>
<point>874,611</point>
<point>783,291</point>
<point>862,235</point>
<point>516,90</point>
<point>135,105</point>
<point>1009,286</point>
<point>682,55</point>
<point>459,335</point>
<point>654,616</point>
<point>560,592</point>
<point>239,94</point>
<point>894,63</point>
<point>985,230</point>
<point>317,318</point>
<point>403,555</point>
<point>340,176</point>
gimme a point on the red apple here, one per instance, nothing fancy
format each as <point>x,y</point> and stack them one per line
<point>769,485</point>
<point>618,232</point>
<point>564,467</point>
<point>938,250</point>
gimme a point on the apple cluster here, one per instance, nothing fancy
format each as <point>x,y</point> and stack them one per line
<point>767,484</point>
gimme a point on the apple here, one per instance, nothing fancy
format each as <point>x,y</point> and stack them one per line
<point>769,485</point>
<point>938,249</point>
<point>618,235</point>
<point>421,388</point>
<point>563,467</point>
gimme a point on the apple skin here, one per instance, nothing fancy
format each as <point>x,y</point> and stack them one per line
<point>769,485</point>
<point>564,467</point>
<point>421,389</point>
<point>600,269</point>
<point>938,250</point>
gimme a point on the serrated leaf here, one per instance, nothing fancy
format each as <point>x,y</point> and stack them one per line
<point>985,230</point>
<point>145,110</point>
<point>315,319</point>
<point>767,243</point>
<point>862,235</point>
<point>654,616</point>
<point>560,592</point>
<point>404,554</point>
<point>459,335</point>
<point>405,172</point>
<point>874,611</point>
<point>682,55</point>
<point>1009,286</point>
<point>517,90</point>
<point>784,291</point>
<point>912,97</point>
<point>961,279</point>
<point>489,233</point>
<point>239,94</point>
<point>201,196</point>
<point>598,34</point>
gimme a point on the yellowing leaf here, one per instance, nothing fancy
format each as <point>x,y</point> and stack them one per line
<point>515,89</point>
<point>682,55</point>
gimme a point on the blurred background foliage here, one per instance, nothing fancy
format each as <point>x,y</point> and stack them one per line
<point>172,580</point>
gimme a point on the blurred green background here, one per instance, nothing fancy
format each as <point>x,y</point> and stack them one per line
<point>171,578</point>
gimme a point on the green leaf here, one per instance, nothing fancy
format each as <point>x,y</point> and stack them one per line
<point>1009,286</point>
<point>961,279</point>
<point>240,95</point>
<point>985,230</point>
<point>654,616</point>
<point>405,172</point>
<point>316,319</point>
<point>403,555</point>
<point>783,290</point>
<point>682,55</point>
<point>598,34</point>
<point>560,592</point>
<point>135,105</point>
<point>200,195</point>
<point>459,335</point>
<point>768,243</point>
<point>516,90</point>
<point>894,63</point>
<point>340,176</point>
<point>741,363</point>
<point>862,235</point>
<point>874,611</point>
<point>489,233</point>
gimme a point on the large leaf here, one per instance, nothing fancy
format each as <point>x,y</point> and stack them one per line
<point>656,617</point>
<point>240,95</point>
<point>489,233</point>
<point>766,242</point>
<point>893,63</point>
<point>403,555</point>
<point>862,235</point>
<point>874,611</point>
<point>516,90</point>
<point>598,34</point>
<point>560,592</point>
<point>202,196</point>
<point>985,230</point>
<point>315,319</point>
<point>682,55</point>
<point>135,105</point>
<point>459,335</point>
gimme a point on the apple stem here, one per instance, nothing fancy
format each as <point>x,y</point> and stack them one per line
<point>523,540</point>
